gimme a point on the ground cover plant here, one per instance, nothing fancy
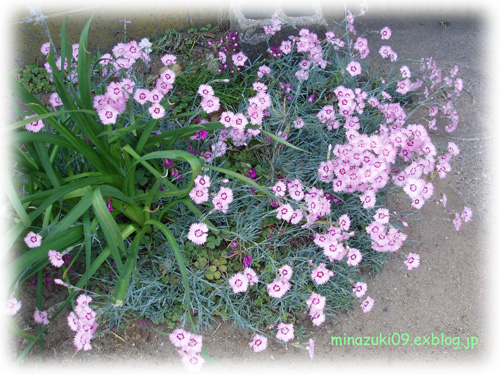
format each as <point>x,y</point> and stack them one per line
<point>255,191</point>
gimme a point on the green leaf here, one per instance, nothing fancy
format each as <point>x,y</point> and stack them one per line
<point>109,228</point>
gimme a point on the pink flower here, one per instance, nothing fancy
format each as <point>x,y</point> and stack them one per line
<point>239,283</point>
<point>251,276</point>
<point>299,123</point>
<point>367,304</point>
<point>297,216</point>
<point>82,341</point>
<point>12,306</point>
<point>168,76</point>
<point>73,321</point>
<point>156,111</point>
<point>279,189</point>
<point>55,258</point>
<point>360,289</point>
<point>33,240</point>
<point>55,100</point>
<point>198,233</point>
<point>412,261</point>
<point>192,362</point>
<point>385,33</point>
<point>168,59</point>
<point>354,257</point>
<point>317,317</point>
<point>466,214</point>
<point>199,194</point>
<point>41,317</point>
<point>108,114</point>
<point>278,288</point>
<point>321,274</point>
<point>344,222</point>
<point>239,59</point>
<point>179,338</point>
<point>382,216</point>
<point>316,302</point>
<point>225,194</point>
<point>210,104</point>
<point>285,212</point>
<point>194,343</point>
<point>34,126</point>
<point>205,90</point>
<point>285,272</point>
<point>258,343</point>
<point>202,180</point>
<point>354,68</point>
<point>141,96</point>
<point>285,332</point>
<point>45,49</point>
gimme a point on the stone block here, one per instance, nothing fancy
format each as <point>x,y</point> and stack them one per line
<point>250,17</point>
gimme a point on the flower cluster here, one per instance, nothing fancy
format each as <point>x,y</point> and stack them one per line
<point>209,103</point>
<point>230,57</point>
<point>316,304</point>
<point>279,286</point>
<point>83,322</point>
<point>189,345</point>
<point>313,203</point>
<point>240,281</point>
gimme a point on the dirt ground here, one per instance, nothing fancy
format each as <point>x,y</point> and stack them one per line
<point>445,301</point>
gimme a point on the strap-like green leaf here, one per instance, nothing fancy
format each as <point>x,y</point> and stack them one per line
<point>109,228</point>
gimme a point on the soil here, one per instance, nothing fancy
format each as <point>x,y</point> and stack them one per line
<point>442,301</point>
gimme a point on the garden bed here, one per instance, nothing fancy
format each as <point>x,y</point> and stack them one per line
<point>148,340</point>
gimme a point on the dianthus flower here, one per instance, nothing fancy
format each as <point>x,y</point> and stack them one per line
<point>205,90</point>
<point>354,257</point>
<point>251,276</point>
<point>284,212</point>
<point>41,317</point>
<point>239,283</point>
<point>466,214</point>
<point>278,288</point>
<point>168,59</point>
<point>258,343</point>
<point>210,104</point>
<point>198,233</point>
<point>359,289</point>
<point>33,240</point>
<point>156,111</point>
<point>202,180</point>
<point>321,274</point>
<point>179,337</point>
<point>199,194</point>
<point>285,272</point>
<point>317,317</point>
<point>12,306</point>
<point>239,59</point>
<point>367,304</point>
<point>385,33</point>
<point>316,301</point>
<point>279,189</point>
<point>285,332</point>
<point>412,261</point>
<point>193,361</point>
<point>354,68</point>
<point>34,126</point>
<point>55,258</point>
